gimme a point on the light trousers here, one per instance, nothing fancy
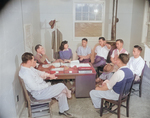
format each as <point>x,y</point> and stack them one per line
<point>97,95</point>
<point>54,91</point>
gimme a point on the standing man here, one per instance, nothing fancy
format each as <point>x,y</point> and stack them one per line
<point>38,88</point>
<point>84,52</point>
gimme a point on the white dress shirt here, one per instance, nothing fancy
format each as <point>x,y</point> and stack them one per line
<point>33,78</point>
<point>102,51</point>
<point>136,65</point>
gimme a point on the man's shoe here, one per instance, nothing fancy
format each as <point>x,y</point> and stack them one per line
<point>65,114</point>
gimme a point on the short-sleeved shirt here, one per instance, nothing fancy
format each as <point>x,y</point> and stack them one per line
<point>102,51</point>
<point>83,51</point>
<point>117,77</point>
<point>118,52</point>
<point>136,65</point>
<point>65,54</point>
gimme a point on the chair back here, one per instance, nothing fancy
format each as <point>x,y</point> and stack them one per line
<point>126,88</point>
<point>141,77</point>
<point>25,90</point>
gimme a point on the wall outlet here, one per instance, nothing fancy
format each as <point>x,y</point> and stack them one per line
<point>17,98</point>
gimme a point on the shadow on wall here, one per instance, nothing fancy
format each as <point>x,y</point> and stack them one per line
<point>48,45</point>
<point>75,56</point>
<point>17,89</point>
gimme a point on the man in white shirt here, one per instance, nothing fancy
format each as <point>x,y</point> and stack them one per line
<point>84,52</point>
<point>38,88</point>
<point>136,62</point>
<point>101,53</point>
<point>111,89</point>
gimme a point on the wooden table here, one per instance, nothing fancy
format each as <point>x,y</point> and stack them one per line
<point>84,83</point>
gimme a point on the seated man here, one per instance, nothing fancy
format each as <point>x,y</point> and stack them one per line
<point>110,89</point>
<point>136,63</point>
<point>38,88</point>
<point>41,56</point>
<point>84,52</point>
<point>110,68</point>
<point>101,53</point>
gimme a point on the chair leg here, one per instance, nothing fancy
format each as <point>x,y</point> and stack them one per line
<point>29,111</point>
<point>140,89</point>
<point>127,107</point>
<point>50,109</point>
<point>101,109</point>
<point>118,113</point>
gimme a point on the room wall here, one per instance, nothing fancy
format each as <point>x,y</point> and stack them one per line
<point>62,11</point>
<point>12,19</point>
<point>137,23</point>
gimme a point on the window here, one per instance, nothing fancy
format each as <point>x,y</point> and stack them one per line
<point>88,19</point>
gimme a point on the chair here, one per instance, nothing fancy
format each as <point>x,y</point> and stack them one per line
<point>139,82</point>
<point>124,96</point>
<point>36,108</point>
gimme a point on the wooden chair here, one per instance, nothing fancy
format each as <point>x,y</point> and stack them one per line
<point>123,97</point>
<point>139,82</point>
<point>36,108</point>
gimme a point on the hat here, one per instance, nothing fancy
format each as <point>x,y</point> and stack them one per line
<point>52,23</point>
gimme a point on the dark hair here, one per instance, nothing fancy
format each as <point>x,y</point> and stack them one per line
<point>26,56</point>
<point>138,47</point>
<point>124,58</point>
<point>121,41</point>
<point>85,39</point>
<point>37,47</point>
<point>62,45</point>
<point>102,38</point>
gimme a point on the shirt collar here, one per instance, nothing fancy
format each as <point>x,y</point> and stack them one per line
<point>123,67</point>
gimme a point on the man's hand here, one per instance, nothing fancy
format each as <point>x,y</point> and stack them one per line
<point>98,88</point>
<point>52,76</point>
<point>43,52</point>
<point>81,59</point>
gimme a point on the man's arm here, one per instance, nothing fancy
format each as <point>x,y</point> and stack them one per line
<point>102,88</point>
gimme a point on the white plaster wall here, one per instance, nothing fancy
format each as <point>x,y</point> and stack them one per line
<point>12,19</point>
<point>137,23</point>
<point>62,10</point>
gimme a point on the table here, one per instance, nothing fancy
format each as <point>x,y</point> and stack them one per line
<point>84,82</point>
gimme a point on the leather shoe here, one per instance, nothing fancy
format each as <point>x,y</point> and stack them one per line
<point>65,114</point>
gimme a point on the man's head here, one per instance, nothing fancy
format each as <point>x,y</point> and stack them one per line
<point>84,42</point>
<point>122,59</point>
<point>102,41</point>
<point>39,49</point>
<point>119,44</point>
<point>137,51</point>
<point>28,59</point>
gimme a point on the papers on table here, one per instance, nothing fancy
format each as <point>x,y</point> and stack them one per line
<point>71,64</point>
<point>57,69</point>
<point>74,63</point>
<point>83,65</point>
<point>46,65</point>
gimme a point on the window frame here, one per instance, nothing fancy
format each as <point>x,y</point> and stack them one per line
<point>74,21</point>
